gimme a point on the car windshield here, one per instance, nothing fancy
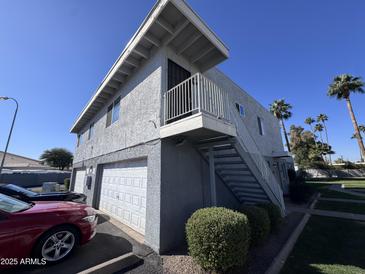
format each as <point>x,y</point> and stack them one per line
<point>22,190</point>
<point>11,205</point>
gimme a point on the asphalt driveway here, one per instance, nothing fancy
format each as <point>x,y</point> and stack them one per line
<point>108,243</point>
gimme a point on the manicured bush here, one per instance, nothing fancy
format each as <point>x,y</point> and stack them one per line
<point>274,214</point>
<point>259,221</point>
<point>218,238</point>
<point>66,183</point>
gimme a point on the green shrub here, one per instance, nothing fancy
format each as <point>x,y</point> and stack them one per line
<point>218,238</point>
<point>259,221</point>
<point>299,191</point>
<point>274,214</point>
<point>66,183</point>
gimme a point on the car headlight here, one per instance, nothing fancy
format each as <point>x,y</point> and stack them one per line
<point>90,218</point>
<point>80,200</point>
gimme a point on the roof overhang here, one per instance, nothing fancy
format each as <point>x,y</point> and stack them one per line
<point>170,23</point>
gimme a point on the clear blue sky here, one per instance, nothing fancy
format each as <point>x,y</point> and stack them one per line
<point>53,54</point>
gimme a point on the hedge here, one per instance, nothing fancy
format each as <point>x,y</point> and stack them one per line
<point>274,214</point>
<point>218,238</point>
<point>259,221</point>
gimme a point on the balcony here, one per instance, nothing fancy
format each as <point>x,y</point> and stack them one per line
<point>196,107</point>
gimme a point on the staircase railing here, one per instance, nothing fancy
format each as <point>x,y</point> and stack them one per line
<point>195,94</point>
<point>249,145</point>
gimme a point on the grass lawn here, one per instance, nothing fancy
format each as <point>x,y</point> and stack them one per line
<point>328,245</point>
<point>346,183</point>
<point>325,193</point>
<point>341,206</point>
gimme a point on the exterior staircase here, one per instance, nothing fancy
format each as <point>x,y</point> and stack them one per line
<point>240,165</point>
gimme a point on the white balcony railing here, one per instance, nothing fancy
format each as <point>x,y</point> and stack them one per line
<point>195,94</point>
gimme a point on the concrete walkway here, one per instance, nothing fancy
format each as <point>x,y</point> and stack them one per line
<point>327,213</point>
<point>342,200</point>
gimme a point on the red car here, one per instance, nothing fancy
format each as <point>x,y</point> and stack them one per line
<point>48,231</point>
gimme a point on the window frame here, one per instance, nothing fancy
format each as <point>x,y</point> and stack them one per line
<point>91,131</point>
<point>260,123</point>
<point>111,112</point>
<point>241,109</point>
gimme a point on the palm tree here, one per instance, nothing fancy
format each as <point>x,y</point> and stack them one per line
<point>319,128</point>
<point>281,110</point>
<point>309,121</point>
<point>322,118</point>
<point>341,88</point>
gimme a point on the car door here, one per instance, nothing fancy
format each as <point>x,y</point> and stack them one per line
<point>7,233</point>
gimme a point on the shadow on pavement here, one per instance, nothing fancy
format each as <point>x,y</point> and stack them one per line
<point>100,249</point>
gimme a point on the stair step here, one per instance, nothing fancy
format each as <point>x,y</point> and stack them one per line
<point>215,139</point>
<point>235,172</point>
<point>252,199</point>
<point>228,159</point>
<point>239,178</point>
<point>247,179</point>
<point>229,155</point>
<point>247,191</point>
<point>252,195</point>
<point>247,185</point>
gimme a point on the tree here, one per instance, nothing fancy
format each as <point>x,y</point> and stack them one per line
<point>309,121</point>
<point>281,110</point>
<point>341,88</point>
<point>57,157</point>
<point>322,118</point>
<point>319,128</point>
<point>306,150</point>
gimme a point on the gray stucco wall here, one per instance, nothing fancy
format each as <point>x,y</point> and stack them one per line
<point>139,119</point>
<point>271,141</point>
<point>150,151</point>
<point>185,188</point>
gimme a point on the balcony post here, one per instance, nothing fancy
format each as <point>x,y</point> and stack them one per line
<point>199,108</point>
<point>213,193</point>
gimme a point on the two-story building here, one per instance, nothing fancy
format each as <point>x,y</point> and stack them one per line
<point>166,132</point>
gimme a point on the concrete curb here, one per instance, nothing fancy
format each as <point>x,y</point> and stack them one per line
<point>281,258</point>
<point>113,265</point>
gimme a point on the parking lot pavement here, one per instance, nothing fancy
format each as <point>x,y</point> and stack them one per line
<point>107,244</point>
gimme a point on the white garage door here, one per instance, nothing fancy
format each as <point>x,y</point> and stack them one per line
<point>123,193</point>
<point>79,181</point>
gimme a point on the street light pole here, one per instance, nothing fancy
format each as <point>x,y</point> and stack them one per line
<point>11,131</point>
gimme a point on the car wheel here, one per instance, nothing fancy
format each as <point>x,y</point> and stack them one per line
<point>56,244</point>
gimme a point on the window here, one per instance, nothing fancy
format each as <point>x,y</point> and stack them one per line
<point>91,131</point>
<point>240,109</point>
<point>109,115</point>
<point>113,112</point>
<point>261,126</point>
<point>79,139</point>
<point>116,110</point>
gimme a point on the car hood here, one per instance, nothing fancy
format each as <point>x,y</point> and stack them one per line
<point>52,206</point>
<point>59,194</point>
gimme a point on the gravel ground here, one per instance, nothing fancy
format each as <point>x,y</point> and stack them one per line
<point>180,264</point>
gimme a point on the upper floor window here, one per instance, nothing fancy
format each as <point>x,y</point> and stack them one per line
<point>79,139</point>
<point>113,112</point>
<point>91,131</point>
<point>241,109</point>
<point>261,125</point>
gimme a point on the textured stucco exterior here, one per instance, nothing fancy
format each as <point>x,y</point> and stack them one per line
<point>185,188</point>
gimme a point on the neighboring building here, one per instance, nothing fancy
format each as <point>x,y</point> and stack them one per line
<point>167,132</point>
<point>27,172</point>
<point>17,162</point>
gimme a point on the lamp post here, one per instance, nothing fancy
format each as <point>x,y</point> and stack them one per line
<point>4,98</point>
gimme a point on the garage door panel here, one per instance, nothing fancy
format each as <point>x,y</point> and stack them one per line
<point>123,193</point>
<point>79,181</point>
